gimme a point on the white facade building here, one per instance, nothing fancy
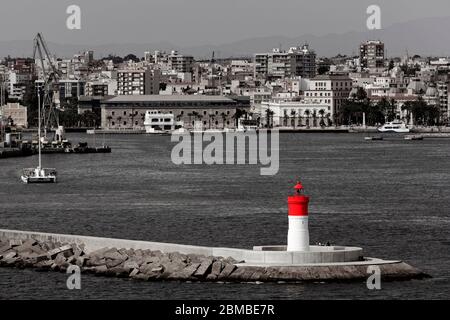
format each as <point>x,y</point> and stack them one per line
<point>331,90</point>
<point>298,113</point>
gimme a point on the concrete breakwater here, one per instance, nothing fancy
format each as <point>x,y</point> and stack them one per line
<point>144,261</point>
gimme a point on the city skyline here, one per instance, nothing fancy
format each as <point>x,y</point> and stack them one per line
<point>198,26</point>
<point>416,37</point>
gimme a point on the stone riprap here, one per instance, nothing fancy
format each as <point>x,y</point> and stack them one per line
<point>138,264</point>
<point>150,265</point>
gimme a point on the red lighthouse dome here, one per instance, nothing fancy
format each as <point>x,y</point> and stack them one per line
<point>298,203</point>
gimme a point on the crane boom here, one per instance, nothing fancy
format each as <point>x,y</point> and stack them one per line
<point>50,79</point>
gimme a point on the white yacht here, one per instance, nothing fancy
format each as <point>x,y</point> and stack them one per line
<point>39,174</point>
<point>396,126</point>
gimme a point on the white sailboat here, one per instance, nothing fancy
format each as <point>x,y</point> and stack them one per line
<point>39,174</point>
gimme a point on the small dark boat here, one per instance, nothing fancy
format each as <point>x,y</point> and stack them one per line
<point>374,138</point>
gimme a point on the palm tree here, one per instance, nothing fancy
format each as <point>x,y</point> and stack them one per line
<point>314,118</point>
<point>190,115</point>
<point>307,114</point>
<point>132,115</point>
<point>143,118</point>
<point>211,118</point>
<point>269,118</point>
<point>195,115</point>
<point>329,122</point>
<point>223,115</point>
<point>293,115</point>
<point>237,115</point>
<point>109,118</point>
<point>285,118</point>
<point>90,118</point>
<point>322,113</point>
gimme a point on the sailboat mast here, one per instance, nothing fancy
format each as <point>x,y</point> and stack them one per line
<point>39,127</point>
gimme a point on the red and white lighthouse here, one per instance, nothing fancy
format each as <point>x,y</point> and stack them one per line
<point>298,234</point>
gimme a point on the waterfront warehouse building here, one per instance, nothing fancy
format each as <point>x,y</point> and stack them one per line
<point>215,112</point>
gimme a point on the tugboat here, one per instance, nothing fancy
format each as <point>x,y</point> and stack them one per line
<point>39,174</point>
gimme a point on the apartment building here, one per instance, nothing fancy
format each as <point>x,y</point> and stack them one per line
<point>372,54</point>
<point>442,88</point>
<point>181,63</point>
<point>138,82</point>
<point>279,64</point>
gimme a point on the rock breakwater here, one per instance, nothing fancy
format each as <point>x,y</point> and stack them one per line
<point>155,265</point>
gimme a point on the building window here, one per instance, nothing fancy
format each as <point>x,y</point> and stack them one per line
<point>124,123</point>
<point>112,123</point>
<point>204,113</point>
<point>124,113</point>
<point>112,113</point>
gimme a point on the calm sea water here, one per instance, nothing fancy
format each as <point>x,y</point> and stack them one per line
<point>391,197</point>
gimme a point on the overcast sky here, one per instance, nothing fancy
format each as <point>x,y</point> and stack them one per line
<point>196,22</point>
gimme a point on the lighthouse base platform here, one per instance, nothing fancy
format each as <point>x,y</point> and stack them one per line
<point>156,261</point>
<point>278,255</point>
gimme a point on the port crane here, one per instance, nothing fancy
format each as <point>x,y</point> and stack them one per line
<point>50,76</point>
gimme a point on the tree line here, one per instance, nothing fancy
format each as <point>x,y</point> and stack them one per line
<point>360,105</point>
<point>68,116</point>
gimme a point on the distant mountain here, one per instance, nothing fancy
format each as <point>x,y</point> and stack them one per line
<point>424,37</point>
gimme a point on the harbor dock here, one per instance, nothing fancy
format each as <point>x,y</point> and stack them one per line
<point>15,152</point>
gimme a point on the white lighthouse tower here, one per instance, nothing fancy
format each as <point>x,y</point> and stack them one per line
<point>298,234</point>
